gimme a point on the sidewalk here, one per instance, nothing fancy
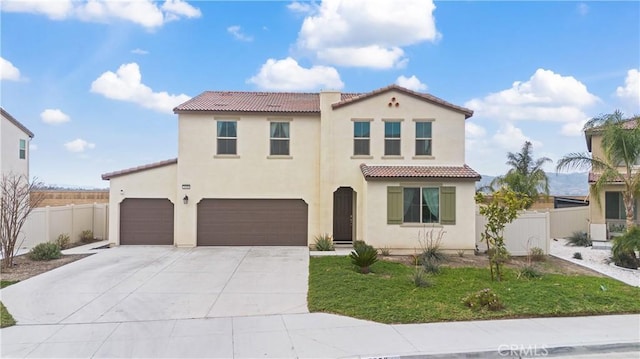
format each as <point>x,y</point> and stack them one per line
<point>319,335</point>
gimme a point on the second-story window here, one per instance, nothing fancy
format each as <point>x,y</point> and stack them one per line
<point>23,149</point>
<point>361,138</point>
<point>392,138</point>
<point>227,137</point>
<point>279,138</point>
<point>423,138</point>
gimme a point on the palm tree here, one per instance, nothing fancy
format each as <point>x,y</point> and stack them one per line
<point>621,154</point>
<point>526,175</point>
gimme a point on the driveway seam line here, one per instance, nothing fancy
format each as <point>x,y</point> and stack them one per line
<point>227,282</point>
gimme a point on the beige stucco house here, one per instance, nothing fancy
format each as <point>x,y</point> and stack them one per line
<point>14,145</point>
<point>270,168</point>
<point>607,215</point>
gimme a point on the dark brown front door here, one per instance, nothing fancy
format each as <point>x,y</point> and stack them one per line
<point>343,215</point>
<point>252,222</point>
<point>146,221</point>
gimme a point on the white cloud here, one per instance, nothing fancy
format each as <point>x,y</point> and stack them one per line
<point>511,138</point>
<point>412,83</point>
<point>287,75</point>
<point>54,116</point>
<point>631,91</point>
<point>471,130</point>
<point>79,145</point>
<point>302,7</point>
<point>142,12</point>
<point>8,71</point>
<point>351,32</point>
<point>546,96</point>
<point>126,85</point>
<point>237,33</point>
<point>139,51</point>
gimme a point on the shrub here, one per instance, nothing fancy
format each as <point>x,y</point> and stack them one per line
<point>624,248</point>
<point>460,253</point>
<point>579,239</point>
<point>430,243</point>
<point>577,255</point>
<point>431,266</point>
<point>529,271</point>
<point>536,254</point>
<point>63,241</point>
<point>359,244</point>
<point>385,251</point>
<point>86,236</point>
<point>324,243</point>
<point>363,257</point>
<point>420,279</point>
<point>484,299</point>
<point>45,252</point>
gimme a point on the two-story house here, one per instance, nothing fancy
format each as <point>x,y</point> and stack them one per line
<point>271,168</point>
<point>14,146</point>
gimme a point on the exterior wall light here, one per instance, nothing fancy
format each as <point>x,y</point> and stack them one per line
<point>185,200</point>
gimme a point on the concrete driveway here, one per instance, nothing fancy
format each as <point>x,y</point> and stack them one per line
<point>139,283</point>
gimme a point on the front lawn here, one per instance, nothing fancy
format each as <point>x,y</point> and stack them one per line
<point>6,320</point>
<point>387,295</point>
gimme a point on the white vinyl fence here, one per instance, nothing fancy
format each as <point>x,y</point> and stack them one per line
<point>530,229</point>
<point>47,223</point>
<point>565,221</point>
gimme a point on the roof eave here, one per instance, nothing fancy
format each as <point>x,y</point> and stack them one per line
<point>17,123</point>
<point>417,178</point>
<point>128,171</point>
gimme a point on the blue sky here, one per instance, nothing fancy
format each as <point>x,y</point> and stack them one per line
<point>96,81</point>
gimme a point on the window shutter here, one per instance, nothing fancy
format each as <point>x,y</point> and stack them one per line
<point>448,205</point>
<point>394,205</point>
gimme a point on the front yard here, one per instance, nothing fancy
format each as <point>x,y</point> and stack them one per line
<point>388,295</point>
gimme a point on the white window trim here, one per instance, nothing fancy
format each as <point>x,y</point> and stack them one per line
<point>226,155</point>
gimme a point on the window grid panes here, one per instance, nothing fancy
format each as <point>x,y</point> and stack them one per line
<point>227,137</point>
<point>279,135</point>
<point>423,138</point>
<point>361,138</point>
<point>23,149</point>
<point>392,138</point>
<point>421,205</point>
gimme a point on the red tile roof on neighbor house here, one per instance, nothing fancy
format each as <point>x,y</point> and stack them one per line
<point>290,102</point>
<point>593,177</point>
<point>110,175</point>
<point>461,172</point>
<point>11,119</point>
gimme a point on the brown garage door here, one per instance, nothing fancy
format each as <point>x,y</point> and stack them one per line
<point>146,221</point>
<point>252,222</point>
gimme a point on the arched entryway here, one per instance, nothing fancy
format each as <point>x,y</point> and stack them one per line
<point>344,205</point>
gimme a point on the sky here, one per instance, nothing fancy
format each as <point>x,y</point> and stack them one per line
<point>96,81</point>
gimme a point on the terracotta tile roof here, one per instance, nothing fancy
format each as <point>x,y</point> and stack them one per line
<point>593,177</point>
<point>290,102</point>
<point>462,172</point>
<point>110,175</point>
<point>11,119</point>
<point>423,96</point>
<point>234,101</point>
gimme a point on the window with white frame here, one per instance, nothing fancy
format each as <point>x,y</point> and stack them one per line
<point>23,149</point>
<point>361,138</point>
<point>423,139</point>
<point>227,138</point>
<point>279,139</point>
<point>392,138</point>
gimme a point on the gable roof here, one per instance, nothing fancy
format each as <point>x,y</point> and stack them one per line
<point>421,96</point>
<point>110,175</point>
<point>431,172</point>
<point>11,119</point>
<point>628,124</point>
<point>291,102</point>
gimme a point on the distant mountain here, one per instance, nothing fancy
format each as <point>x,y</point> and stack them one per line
<point>560,184</point>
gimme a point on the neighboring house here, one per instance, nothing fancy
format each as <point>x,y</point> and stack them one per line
<point>269,168</point>
<point>607,215</point>
<point>14,145</point>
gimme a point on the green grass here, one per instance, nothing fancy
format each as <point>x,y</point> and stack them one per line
<point>387,295</point>
<point>6,319</point>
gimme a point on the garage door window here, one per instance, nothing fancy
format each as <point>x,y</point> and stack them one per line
<point>227,137</point>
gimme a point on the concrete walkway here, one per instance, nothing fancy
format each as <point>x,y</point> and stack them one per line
<point>318,335</point>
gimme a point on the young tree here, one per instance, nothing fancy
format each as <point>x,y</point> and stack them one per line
<point>501,210</point>
<point>16,202</point>
<point>526,175</point>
